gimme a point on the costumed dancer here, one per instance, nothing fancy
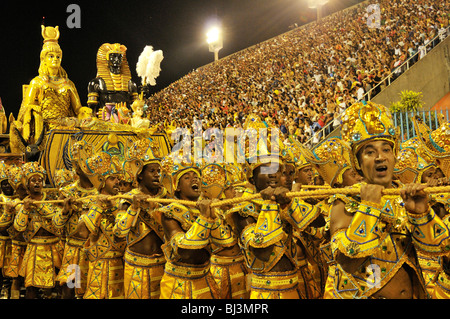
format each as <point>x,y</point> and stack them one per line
<point>18,243</point>
<point>415,165</point>
<point>144,258</point>
<point>6,219</point>
<point>331,159</point>
<point>437,145</point>
<point>310,267</point>
<point>187,232</point>
<point>375,236</point>
<point>103,249</point>
<point>44,248</point>
<point>227,261</point>
<point>74,253</point>
<point>265,226</point>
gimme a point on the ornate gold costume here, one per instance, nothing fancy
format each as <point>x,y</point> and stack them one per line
<point>142,273</point>
<point>103,249</point>
<point>383,237</point>
<point>74,253</point>
<point>44,252</point>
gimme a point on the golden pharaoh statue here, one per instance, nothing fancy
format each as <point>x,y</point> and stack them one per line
<point>113,84</point>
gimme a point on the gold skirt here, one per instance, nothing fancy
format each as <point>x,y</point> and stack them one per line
<point>105,278</point>
<point>306,283</point>
<point>74,261</point>
<point>275,285</point>
<point>142,275</point>
<point>5,253</point>
<point>15,263</point>
<point>42,256</point>
<point>229,274</point>
<point>329,288</point>
<point>188,282</point>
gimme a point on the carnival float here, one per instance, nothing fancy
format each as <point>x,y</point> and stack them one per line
<point>51,116</point>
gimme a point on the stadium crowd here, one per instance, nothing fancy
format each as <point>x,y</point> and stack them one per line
<point>301,79</point>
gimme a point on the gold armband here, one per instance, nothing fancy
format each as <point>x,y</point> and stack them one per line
<point>59,220</point>
<point>92,98</point>
<point>221,234</point>
<point>363,234</point>
<point>300,214</point>
<point>430,234</point>
<point>268,229</point>
<point>125,220</point>
<point>92,218</point>
<point>197,236</point>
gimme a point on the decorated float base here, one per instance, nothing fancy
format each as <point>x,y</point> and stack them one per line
<point>103,136</point>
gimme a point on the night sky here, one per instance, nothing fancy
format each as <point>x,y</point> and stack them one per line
<point>176,27</point>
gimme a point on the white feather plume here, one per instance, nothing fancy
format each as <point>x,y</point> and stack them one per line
<point>148,65</point>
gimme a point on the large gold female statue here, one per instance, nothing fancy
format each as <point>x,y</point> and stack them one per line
<point>50,95</point>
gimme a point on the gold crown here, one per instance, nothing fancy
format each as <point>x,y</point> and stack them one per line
<point>264,144</point>
<point>139,154</point>
<point>173,166</point>
<point>364,122</point>
<point>331,159</point>
<point>410,166</point>
<point>100,166</point>
<point>15,174</point>
<point>50,34</point>
<point>217,177</point>
<point>63,177</point>
<point>30,169</point>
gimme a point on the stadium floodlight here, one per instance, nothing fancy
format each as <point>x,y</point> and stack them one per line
<point>317,4</point>
<point>215,41</point>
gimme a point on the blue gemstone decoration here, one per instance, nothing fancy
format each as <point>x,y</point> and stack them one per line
<point>356,137</point>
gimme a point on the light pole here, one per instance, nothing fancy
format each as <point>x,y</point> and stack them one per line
<point>215,41</point>
<point>317,4</point>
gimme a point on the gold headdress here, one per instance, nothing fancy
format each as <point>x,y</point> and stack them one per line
<point>175,165</point>
<point>292,152</point>
<point>331,159</point>
<point>410,166</point>
<point>100,166</point>
<point>139,154</point>
<point>113,82</point>
<point>63,177</point>
<point>217,177</point>
<point>50,36</point>
<point>4,168</point>
<point>15,174</point>
<point>30,169</point>
<point>365,122</point>
<point>264,144</point>
<point>436,143</point>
